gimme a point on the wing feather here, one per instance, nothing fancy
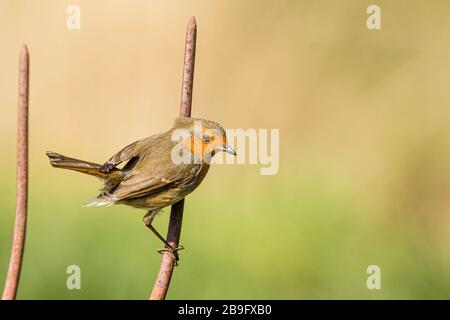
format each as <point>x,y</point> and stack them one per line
<point>139,185</point>
<point>130,151</point>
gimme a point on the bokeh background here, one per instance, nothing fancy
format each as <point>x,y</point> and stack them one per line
<point>364,123</point>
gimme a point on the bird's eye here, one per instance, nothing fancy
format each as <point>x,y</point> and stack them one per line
<point>206,138</point>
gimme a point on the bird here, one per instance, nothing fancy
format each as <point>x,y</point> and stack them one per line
<point>158,171</point>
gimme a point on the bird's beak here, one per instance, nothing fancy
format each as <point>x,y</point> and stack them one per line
<point>226,148</point>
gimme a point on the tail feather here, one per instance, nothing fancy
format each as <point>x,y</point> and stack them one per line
<point>111,178</point>
<point>59,161</point>
<point>98,203</point>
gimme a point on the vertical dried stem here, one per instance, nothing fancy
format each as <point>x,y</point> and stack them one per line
<point>18,245</point>
<point>176,214</point>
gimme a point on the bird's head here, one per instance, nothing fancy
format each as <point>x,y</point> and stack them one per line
<point>206,137</point>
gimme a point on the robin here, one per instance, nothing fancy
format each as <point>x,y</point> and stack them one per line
<point>159,171</point>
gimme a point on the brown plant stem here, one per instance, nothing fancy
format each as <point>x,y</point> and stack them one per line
<point>20,226</point>
<point>162,283</point>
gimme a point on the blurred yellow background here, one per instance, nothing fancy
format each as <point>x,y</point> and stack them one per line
<point>364,123</point>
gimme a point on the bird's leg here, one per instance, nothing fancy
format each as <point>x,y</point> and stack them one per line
<point>107,167</point>
<point>148,219</point>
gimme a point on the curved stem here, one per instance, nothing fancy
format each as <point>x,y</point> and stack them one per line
<point>176,214</point>
<point>20,226</point>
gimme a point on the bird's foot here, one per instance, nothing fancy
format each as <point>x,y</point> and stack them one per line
<point>106,167</point>
<point>173,251</point>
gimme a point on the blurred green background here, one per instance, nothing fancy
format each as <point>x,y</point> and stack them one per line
<point>364,123</point>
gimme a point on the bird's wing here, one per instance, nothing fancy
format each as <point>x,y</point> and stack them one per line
<point>141,184</point>
<point>130,151</point>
